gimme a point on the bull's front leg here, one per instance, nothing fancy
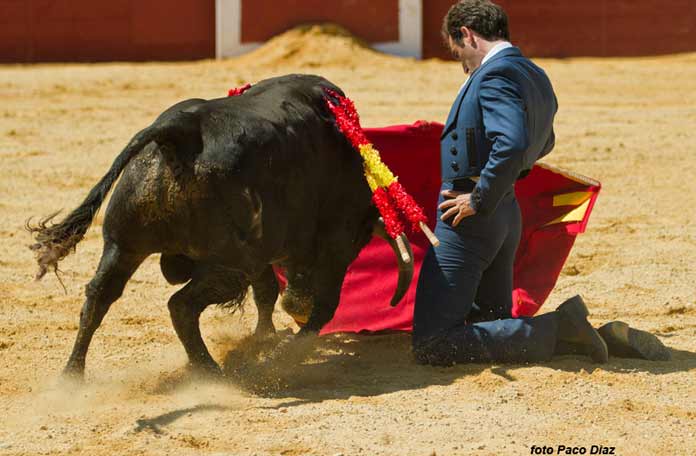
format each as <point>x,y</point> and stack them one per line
<point>265,288</point>
<point>327,281</point>
<point>298,298</point>
<point>312,295</point>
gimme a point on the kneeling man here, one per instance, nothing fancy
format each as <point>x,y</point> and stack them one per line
<point>500,124</point>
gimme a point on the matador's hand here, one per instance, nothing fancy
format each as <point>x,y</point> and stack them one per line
<point>458,204</point>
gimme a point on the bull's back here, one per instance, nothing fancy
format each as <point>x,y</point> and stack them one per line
<point>277,141</point>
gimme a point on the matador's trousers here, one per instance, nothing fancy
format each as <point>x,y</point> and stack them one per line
<point>464,295</point>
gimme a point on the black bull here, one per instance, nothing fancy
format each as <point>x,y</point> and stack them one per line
<point>224,189</point>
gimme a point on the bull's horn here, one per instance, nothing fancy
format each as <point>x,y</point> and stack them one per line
<point>404,257</point>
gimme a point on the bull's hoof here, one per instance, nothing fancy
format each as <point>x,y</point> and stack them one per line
<point>264,332</point>
<point>72,376</point>
<point>206,370</point>
<point>74,370</point>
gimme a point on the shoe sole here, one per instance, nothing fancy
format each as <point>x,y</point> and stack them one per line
<point>626,342</point>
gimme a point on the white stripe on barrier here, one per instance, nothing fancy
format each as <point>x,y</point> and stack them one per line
<point>228,30</point>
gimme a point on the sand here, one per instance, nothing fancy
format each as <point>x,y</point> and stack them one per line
<point>626,122</point>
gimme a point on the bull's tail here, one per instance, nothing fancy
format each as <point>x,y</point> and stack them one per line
<point>55,241</point>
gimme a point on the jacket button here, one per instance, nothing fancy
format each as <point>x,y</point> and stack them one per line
<point>455,166</point>
<point>453,150</point>
<point>455,136</point>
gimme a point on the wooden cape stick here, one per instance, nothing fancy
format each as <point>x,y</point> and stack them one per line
<point>402,248</point>
<point>429,234</point>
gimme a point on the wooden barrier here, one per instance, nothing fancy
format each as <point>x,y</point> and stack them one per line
<point>86,30</point>
<point>604,28</point>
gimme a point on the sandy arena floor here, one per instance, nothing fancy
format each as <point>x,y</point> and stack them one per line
<point>627,122</point>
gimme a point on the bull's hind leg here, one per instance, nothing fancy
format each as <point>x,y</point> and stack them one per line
<point>265,288</point>
<point>209,285</point>
<point>115,268</point>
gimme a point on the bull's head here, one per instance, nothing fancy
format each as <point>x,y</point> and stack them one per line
<point>298,304</point>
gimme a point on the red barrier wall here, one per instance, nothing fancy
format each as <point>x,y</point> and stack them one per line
<point>373,21</point>
<point>562,28</point>
<point>88,30</point>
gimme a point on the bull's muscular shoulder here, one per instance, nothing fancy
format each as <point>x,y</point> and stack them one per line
<point>272,114</point>
<point>295,84</point>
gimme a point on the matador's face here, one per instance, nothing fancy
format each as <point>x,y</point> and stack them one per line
<point>462,53</point>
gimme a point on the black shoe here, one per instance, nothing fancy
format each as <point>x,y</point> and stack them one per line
<point>575,330</point>
<point>626,342</point>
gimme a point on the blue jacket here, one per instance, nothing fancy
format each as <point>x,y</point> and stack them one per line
<point>499,125</point>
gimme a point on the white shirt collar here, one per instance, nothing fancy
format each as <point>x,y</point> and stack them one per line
<point>495,49</point>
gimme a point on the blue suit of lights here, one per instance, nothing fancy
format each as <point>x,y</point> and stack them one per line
<point>500,123</point>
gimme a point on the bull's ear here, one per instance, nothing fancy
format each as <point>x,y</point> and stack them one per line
<point>180,133</point>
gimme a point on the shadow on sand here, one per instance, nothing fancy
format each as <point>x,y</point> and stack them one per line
<point>154,424</point>
<point>315,369</point>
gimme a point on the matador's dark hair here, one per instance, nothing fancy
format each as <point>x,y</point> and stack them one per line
<point>482,16</point>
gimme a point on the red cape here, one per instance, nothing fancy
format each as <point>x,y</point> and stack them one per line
<point>555,206</point>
